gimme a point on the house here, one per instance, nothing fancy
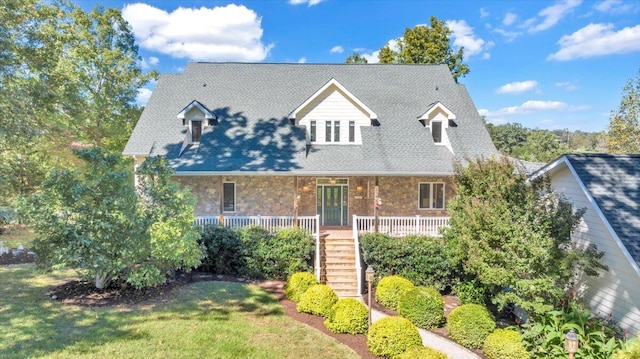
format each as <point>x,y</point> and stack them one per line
<point>331,141</point>
<point>608,186</point>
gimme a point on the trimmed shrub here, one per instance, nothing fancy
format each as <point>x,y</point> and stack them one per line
<point>470,324</point>
<point>470,292</point>
<point>298,284</point>
<point>317,300</point>
<point>223,249</point>
<point>390,289</point>
<point>391,336</point>
<point>631,350</point>
<point>348,315</point>
<point>504,344</point>
<point>255,250</point>
<point>421,259</point>
<point>423,306</point>
<point>420,352</point>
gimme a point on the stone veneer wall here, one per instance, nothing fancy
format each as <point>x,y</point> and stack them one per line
<point>274,195</point>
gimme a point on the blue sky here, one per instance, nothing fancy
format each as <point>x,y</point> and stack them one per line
<point>545,64</point>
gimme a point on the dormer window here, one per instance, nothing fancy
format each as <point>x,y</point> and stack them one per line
<point>196,130</point>
<point>436,131</point>
<point>313,131</point>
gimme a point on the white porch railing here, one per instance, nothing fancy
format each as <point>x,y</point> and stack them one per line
<point>271,224</point>
<point>401,226</point>
<point>394,226</point>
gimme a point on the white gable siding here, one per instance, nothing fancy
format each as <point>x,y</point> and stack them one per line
<point>616,292</point>
<point>332,105</point>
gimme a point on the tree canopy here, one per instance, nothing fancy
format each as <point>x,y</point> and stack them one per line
<point>72,76</point>
<point>356,58</point>
<point>624,124</point>
<point>513,238</point>
<point>426,45</point>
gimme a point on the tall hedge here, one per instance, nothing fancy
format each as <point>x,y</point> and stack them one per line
<point>421,259</point>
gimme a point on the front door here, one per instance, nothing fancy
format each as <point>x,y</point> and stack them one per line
<point>332,205</point>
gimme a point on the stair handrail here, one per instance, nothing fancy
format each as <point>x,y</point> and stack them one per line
<point>356,241</point>
<point>317,238</point>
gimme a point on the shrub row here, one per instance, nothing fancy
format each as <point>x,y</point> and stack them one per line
<point>421,259</point>
<point>254,252</point>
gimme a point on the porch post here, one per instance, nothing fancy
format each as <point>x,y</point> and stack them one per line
<point>376,190</point>
<point>221,196</point>
<point>296,200</point>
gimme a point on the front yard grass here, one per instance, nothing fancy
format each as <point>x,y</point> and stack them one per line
<point>203,319</point>
<point>17,236</point>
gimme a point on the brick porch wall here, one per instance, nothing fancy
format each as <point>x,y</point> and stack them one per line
<point>274,195</point>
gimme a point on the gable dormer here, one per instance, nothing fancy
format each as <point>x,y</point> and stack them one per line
<point>333,115</point>
<point>437,119</point>
<point>195,117</point>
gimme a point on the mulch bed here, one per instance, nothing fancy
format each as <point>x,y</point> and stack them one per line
<point>21,257</point>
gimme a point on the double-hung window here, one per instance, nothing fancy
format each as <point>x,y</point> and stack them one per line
<point>352,131</point>
<point>229,196</point>
<point>431,195</point>
<point>336,131</point>
<point>327,133</point>
<point>436,131</point>
<point>313,131</point>
<point>196,131</point>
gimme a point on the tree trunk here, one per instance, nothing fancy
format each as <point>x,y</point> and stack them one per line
<point>102,280</point>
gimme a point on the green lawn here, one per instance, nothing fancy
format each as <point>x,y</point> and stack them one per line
<point>18,236</point>
<point>201,320</point>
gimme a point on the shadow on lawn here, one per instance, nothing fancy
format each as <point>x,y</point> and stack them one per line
<point>38,325</point>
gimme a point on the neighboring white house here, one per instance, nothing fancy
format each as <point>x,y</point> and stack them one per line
<point>608,186</point>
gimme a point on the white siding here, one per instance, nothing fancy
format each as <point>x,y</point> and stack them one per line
<point>333,105</point>
<point>616,292</point>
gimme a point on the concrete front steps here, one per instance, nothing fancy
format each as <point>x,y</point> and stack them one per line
<point>338,263</point>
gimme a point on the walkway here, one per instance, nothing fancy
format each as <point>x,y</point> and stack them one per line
<point>449,347</point>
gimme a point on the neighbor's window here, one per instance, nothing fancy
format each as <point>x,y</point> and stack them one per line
<point>327,132</point>
<point>229,196</point>
<point>336,131</point>
<point>352,131</point>
<point>196,131</point>
<point>313,131</point>
<point>431,196</point>
<point>436,131</point>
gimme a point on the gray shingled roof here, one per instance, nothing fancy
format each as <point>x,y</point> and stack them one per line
<point>252,102</point>
<point>614,183</point>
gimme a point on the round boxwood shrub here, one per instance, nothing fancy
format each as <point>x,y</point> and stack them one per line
<point>317,300</point>
<point>423,306</point>
<point>470,324</point>
<point>390,289</point>
<point>348,315</point>
<point>504,344</point>
<point>391,336</point>
<point>298,284</point>
<point>420,352</point>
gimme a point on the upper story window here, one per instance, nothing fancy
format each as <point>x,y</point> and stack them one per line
<point>313,131</point>
<point>327,131</point>
<point>196,131</point>
<point>431,195</point>
<point>352,131</point>
<point>336,131</point>
<point>436,131</point>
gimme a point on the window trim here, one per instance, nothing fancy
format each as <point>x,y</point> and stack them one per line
<point>313,131</point>
<point>193,132</point>
<point>432,197</point>
<point>235,205</point>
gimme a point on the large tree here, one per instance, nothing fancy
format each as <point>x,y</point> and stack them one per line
<point>65,75</point>
<point>356,58</point>
<point>93,220</point>
<point>624,124</point>
<point>426,45</point>
<point>512,238</point>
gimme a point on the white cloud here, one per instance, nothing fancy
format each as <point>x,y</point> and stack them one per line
<point>509,19</point>
<point>551,15</point>
<point>616,7</point>
<point>533,106</point>
<point>464,37</point>
<point>517,87</point>
<point>148,63</point>
<point>302,60</point>
<point>310,2</point>
<point>509,35</point>
<point>372,57</point>
<point>484,13</point>
<point>337,50</point>
<point>597,40</point>
<point>143,96</point>
<point>566,85</point>
<point>229,33</point>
